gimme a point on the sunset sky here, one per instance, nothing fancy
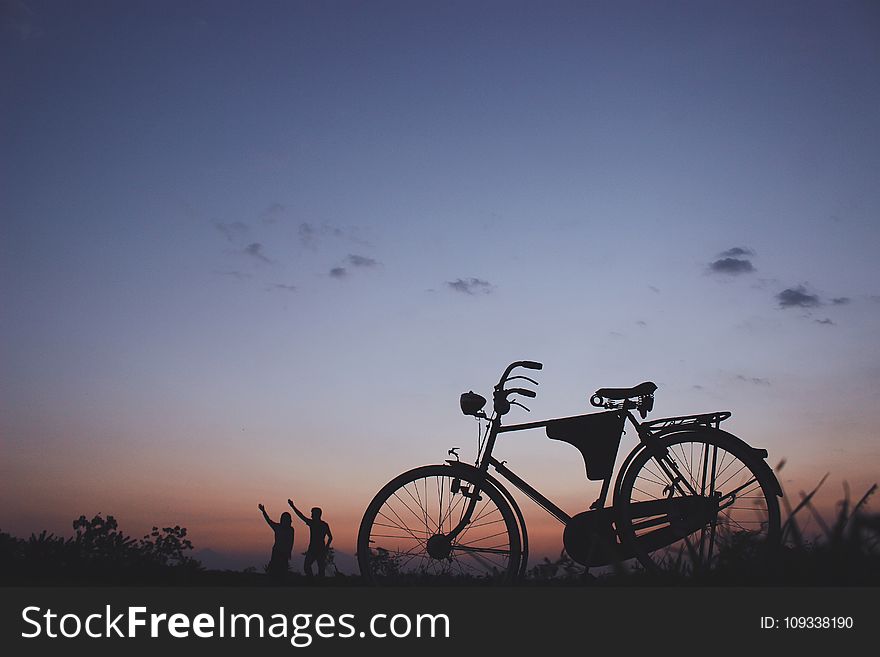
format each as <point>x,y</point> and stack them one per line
<point>253,251</point>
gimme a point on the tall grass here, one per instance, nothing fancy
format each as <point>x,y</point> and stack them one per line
<point>840,549</point>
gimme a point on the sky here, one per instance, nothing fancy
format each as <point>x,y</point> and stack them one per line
<point>256,250</point>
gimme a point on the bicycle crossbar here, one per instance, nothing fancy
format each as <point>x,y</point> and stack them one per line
<point>525,425</point>
<point>534,495</point>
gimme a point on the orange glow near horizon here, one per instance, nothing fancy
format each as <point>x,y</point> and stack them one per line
<point>219,507</point>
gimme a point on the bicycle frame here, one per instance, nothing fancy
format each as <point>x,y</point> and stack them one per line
<point>649,437</point>
<point>486,460</point>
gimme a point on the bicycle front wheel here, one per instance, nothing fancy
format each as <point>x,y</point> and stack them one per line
<point>709,503</point>
<point>404,535</point>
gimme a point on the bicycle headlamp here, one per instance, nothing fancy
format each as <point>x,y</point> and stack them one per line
<point>471,402</point>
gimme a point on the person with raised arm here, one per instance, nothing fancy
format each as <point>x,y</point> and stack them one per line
<point>318,549</point>
<point>283,547</point>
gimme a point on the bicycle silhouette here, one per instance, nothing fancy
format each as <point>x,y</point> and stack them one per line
<point>685,492</point>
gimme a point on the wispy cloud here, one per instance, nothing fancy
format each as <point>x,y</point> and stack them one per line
<point>273,213</point>
<point>310,235</point>
<point>797,297</point>
<point>840,301</point>
<point>470,285</point>
<point>306,233</point>
<point>282,286</point>
<point>641,322</point>
<point>353,260</point>
<point>234,231</point>
<point>824,321</point>
<point>736,252</point>
<point>255,250</point>
<point>361,261</point>
<point>758,381</point>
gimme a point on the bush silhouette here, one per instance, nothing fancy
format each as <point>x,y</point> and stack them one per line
<point>98,553</point>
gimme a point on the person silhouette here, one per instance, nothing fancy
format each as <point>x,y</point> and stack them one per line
<point>281,550</point>
<point>317,550</point>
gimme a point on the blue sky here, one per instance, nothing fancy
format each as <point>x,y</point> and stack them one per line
<point>255,250</point>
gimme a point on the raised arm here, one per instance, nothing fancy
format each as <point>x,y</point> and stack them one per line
<point>266,516</point>
<point>298,512</point>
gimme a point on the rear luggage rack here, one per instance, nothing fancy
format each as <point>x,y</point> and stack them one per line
<point>703,419</point>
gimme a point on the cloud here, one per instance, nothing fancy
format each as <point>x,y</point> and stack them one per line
<point>271,214</point>
<point>470,285</point>
<point>797,297</point>
<point>655,290</point>
<point>255,250</point>
<point>361,261</point>
<point>731,266</point>
<point>758,381</point>
<point>233,232</point>
<point>282,286</point>
<point>736,252</point>
<point>306,234</point>
<point>824,321</point>
<point>733,262</point>
<point>641,322</point>
<point>339,272</point>
<point>311,234</point>
<point>840,301</point>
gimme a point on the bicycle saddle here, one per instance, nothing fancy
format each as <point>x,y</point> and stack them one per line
<point>641,390</point>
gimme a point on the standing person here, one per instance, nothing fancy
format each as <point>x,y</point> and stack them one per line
<point>318,529</point>
<point>281,550</point>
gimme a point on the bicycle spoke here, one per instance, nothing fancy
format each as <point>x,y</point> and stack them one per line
<point>419,503</point>
<point>401,526</point>
<point>424,509</point>
<point>736,503</point>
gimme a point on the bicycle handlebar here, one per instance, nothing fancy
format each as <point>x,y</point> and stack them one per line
<point>520,391</point>
<point>530,364</point>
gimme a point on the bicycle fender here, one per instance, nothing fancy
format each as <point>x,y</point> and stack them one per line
<point>467,469</point>
<point>760,455</point>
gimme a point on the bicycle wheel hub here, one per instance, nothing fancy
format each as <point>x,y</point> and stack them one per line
<point>439,546</point>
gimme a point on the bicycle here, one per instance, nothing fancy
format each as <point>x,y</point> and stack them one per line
<point>687,491</point>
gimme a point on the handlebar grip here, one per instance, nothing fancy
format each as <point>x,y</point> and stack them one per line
<point>532,365</point>
<point>520,391</point>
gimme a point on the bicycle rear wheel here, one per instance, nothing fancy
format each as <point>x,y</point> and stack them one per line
<point>709,504</point>
<point>403,535</point>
